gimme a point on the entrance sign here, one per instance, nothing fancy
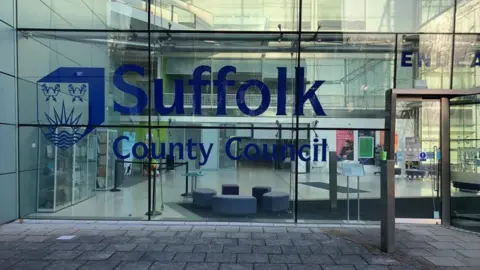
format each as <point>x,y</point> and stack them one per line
<point>425,59</point>
<point>221,84</point>
<point>73,97</point>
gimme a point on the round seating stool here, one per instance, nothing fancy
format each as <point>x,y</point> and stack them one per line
<point>275,201</point>
<point>258,192</point>
<point>234,205</point>
<point>230,189</point>
<point>202,197</point>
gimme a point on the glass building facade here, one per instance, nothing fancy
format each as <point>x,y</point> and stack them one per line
<point>158,98</point>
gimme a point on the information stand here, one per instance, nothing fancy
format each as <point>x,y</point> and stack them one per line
<point>353,170</point>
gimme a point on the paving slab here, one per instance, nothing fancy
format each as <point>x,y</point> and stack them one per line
<point>179,245</point>
<point>167,266</point>
<point>444,261</point>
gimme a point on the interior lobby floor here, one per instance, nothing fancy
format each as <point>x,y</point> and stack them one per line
<point>132,201</point>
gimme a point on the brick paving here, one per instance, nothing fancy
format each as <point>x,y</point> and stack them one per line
<point>234,246</point>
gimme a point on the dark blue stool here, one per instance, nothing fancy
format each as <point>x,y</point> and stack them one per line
<point>258,192</point>
<point>275,201</point>
<point>230,189</point>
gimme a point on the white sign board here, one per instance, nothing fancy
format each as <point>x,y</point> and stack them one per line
<point>353,169</point>
<point>412,149</point>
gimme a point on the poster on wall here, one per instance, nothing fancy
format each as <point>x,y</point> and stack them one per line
<point>345,144</point>
<point>126,148</point>
<point>366,147</point>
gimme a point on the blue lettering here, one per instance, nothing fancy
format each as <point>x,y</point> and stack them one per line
<point>154,151</point>
<point>190,151</point>
<point>228,146</point>
<point>252,151</point>
<point>144,148</point>
<point>256,155</point>
<point>315,149</point>
<point>300,152</point>
<point>115,147</point>
<point>265,103</point>
<point>125,87</point>
<point>266,155</point>
<point>180,149</point>
<point>288,148</point>
<point>221,84</point>
<point>476,60</point>
<point>205,154</point>
<point>177,103</point>
<point>310,95</point>
<point>406,60</point>
<point>282,91</point>
<point>197,84</point>
<point>324,150</point>
<point>424,59</point>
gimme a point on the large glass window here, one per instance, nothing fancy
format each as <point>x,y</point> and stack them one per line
<point>148,109</point>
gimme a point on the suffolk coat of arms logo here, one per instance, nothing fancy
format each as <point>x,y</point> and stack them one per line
<point>70,104</point>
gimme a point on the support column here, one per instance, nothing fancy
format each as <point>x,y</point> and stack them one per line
<point>387,191</point>
<point>332,171</point>
<point>445,160</point>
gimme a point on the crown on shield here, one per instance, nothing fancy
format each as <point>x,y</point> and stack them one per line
<point>50,92</point>
<point>77,92</point>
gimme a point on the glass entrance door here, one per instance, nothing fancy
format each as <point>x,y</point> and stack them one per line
<point>465,162</point>
<point>433,137</point>
<point>417,132</point>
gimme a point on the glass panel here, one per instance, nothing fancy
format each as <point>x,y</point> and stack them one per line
<point>408,16</point>
<point>220,69</point>
<point>465,161</point>
<point>7,13</point>
<point>85,14</point>
<point>237,165</point>
<point>466,73</point>
<point>347,66</point>
<point>424,61</point>
<point>47,80</point>
<point>468,12</point>
<point>246,15</point>
<point>76,182</point>
<point>416,163</point>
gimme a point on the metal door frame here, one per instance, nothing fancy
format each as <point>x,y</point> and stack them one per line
<point>444,95</point>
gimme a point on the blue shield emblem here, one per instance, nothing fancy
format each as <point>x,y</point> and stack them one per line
<point>70,104</point>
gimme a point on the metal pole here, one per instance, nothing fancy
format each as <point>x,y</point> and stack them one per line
<point>154,211</point>
<point>358,198</point>
<point>186,179</point>
<point>445,160</point>
<point>161,193</point>
<point>154,203</point>
<point>348,198</point>
<point>115,178</point>
<point>387,190</point>
<point>332,171</point>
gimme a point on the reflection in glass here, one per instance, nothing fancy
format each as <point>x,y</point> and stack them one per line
<point>464,159</point>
